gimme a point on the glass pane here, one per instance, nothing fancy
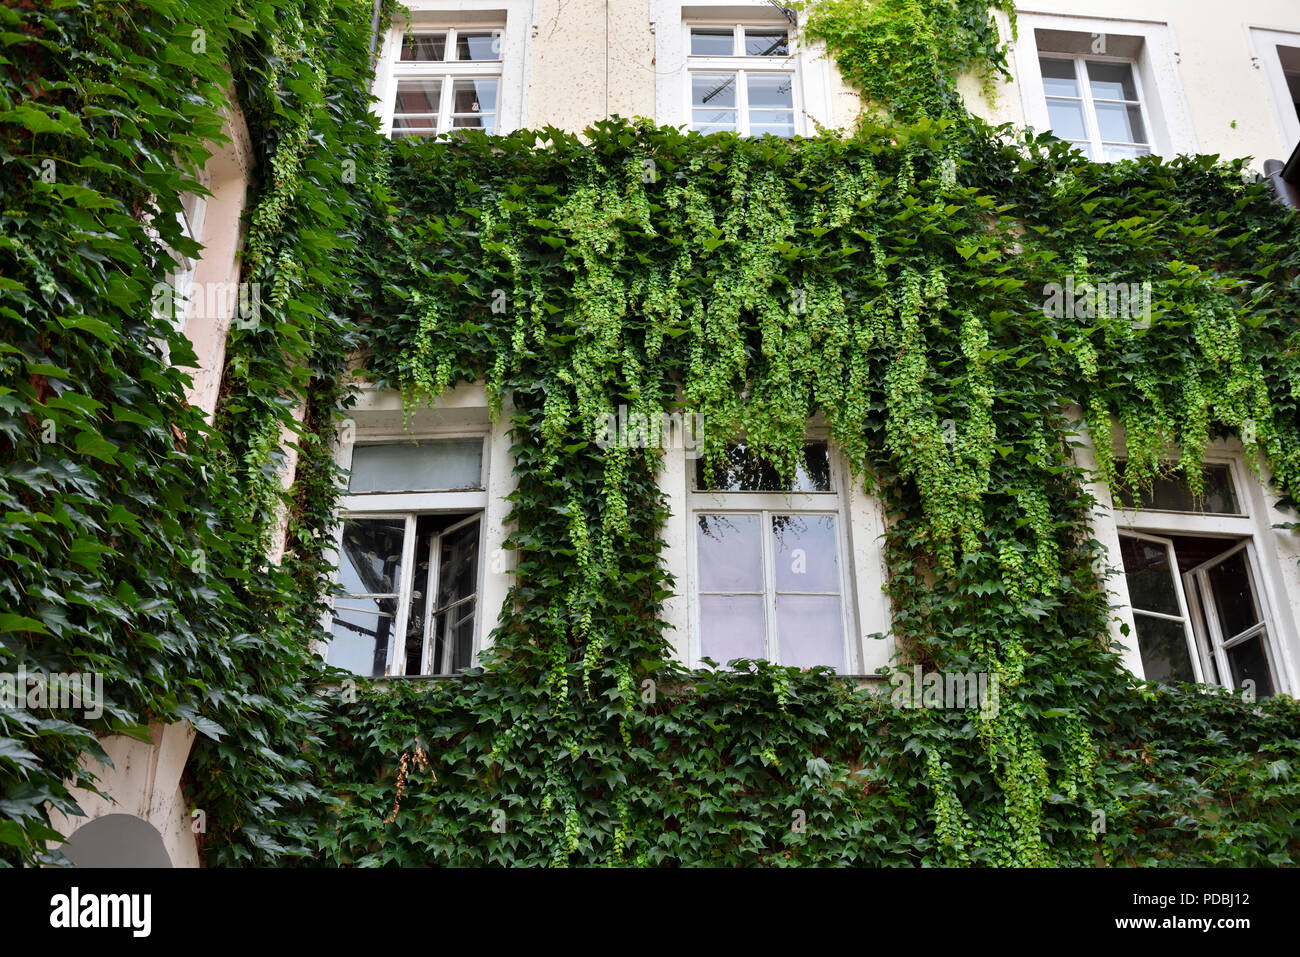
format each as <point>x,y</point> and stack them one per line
<point>419,47</point>
<point>1058,77</point>
<point>809,631</point>
<point>479,121</point>
<point>1066,117</point>
<point>360,641</point>
<point>418,96</point>
<point>771,90</point>
<point>1249,663</point>
<point>717,90</point>
<point>740,470</point>
<point>1111,81</point>
<point>712,42</point>
<point>415,126</point>
<point>1114,153</point>
<point>773,122</point>
<point>1151,585</point>
<point>474,96</point>
<point>1172,494</point>
<point>1121,123</point>
<point>453,639</point>
<point>804,552</point>
<point>713,121</point>
<point>1230,585</point>
<point>458,564</point>
<point>1163,645</point>
<point>731,626</point>
<point>766,42</point>
<point>484,45</point>
<point>413,647</point>
<point>730,554</point>
<point>370,558</point>
<point>417,466</point>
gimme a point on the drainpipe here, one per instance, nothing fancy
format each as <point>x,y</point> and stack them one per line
<point>374,32</point>
<point>1285,177</point>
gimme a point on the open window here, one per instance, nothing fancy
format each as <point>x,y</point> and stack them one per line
<point>1197,587</point>
<point>770,561</point>
<point>409,559</point>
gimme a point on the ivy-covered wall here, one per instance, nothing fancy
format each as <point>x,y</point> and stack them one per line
<point>918,246</point>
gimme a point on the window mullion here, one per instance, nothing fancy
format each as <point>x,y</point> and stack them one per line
<point>769,588</point>
<point>1089,108</point>
<point>742,103</point>
<point>403,599</point>
<point>427,665</point>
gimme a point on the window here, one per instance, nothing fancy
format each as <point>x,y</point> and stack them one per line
<point>446,79</point>
<point>409,566</point>
<point>1110,87</point>
<point>1197,588</point>
<point>1277,54</point>
<point>1096,104</point>
<point>742,78</point>
<point>770,562</point>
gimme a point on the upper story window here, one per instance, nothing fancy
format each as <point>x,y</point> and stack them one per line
<point>770,561</point>
<point>1110,87</point>
<point>409,565</point>
<point>1198,583</point>
<point>742,78</point>
<point>447,79</point>
<point>448,65</point>
<point>1096,104</point>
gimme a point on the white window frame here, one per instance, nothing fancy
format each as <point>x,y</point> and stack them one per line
<point>409,506</point>
<point>380,415</point>
<point>1244,530</point>
<point>766,504</point>
<point>510,17</point>
<point>1168,120</point>
<point>1264,42</point>
<point>1091,124</point>
<point>742,65</point>
<point>671,21</point>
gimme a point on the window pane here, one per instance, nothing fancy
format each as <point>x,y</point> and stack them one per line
<point>730,555</point>
<point>805,554</point>
<point>1114,154</point>
<point>478,46</point>
<point>731,626</point>
<point>1230,585</point>
<point>716,90</point>
<point>771,90</point>
<point>767,42</point>
<point>1111,81</point>
<point>458,564</point>
<point>418,96</point>
<point>360,640</point>
<point>1172,494</point>
<point>712,42</point>
<point>1058,77</point>
<point>810,631</point>
<point>713,121</point>
<point>773,122</point>
<point>415,125</point>
<point>1163,645</point>
<point>1150,580</point>
<point>417,466</point>
<point>453,639</point>
<point>1121,123</point>
<point>370,558</point>
<point>474,96</point>
<point>1066,117</point>
<point>479,121</point>
<point>1249,663</point>
<point>742,471</point>
<point>420,47</point>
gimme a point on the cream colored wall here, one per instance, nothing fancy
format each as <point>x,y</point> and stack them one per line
<point>573,54</point>
<point>1221,81</point>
